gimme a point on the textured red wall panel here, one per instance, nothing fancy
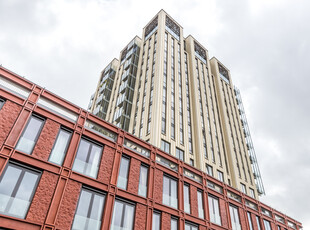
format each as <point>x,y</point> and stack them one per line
<point>223,213</point>
<point>106,165</point>
<point>165,221</point>
<point>243,220</point>
<point>42,198</point>
<point>193,200</point>
<point>140,217</point>
<point>158,186</point>
<point>46,140</point>
<point>133,177</point>
<point>68,205</point>
<point>8,115</point>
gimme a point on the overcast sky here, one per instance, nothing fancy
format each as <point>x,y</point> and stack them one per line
<point>64,45</point>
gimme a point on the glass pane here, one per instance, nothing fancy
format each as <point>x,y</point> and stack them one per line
<point>143,181</point>
<point>30,134</point>
<point>128,218</point>
<point>174,224</point>
<point>117,216</point>
<point>166,195</point>
<point>174,195</point>
<point>80,159</point>
<point>7,184</point>
<point>60,147</point>
<point>186,199</point>
<point>21,201</point>
<point>156,221</point>
<point>92,166</point>
<point>200,204</point>
<point>98,203</point>
<point>87,158</point>
<point>123,173</point>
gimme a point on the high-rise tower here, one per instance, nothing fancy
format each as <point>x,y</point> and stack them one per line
<point>165,90</point>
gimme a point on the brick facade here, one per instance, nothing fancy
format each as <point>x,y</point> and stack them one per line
<point>56,196</point>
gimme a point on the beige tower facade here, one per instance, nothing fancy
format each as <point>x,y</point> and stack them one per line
<point>166,90</point>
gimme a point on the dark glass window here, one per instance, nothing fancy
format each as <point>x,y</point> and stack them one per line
<point>234,218</point>
<point>258,223</point>
<point>123,173</point>
<point>187,205</point>
<point>156,221</point>
<point>123,215</point>
<point>179,154</point>
<point>170,192</point>
<point>1,103</point>
<point>143,180</point>
<point>87,158</point>
<point>214,210</point>
<point>267,225</point>
<point>209,170</point>
<point>201,211</point>
<point>89,210</point>
<point>60,147</point>
<point>190,226</point>
<point>30,134</point>
<point>165,146</point>
<point>17,187</point>
<point>250,221</point>
<point>174,223</point>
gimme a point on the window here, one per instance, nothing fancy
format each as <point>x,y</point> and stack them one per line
<point>258,223</point>
<point>30,134</point>
<point>187,205</point>
<point>17,187</point>
<point>123,215</point>
<point>1,103</point>
<point>220,176</point>
<point>179,154</point>
<point>201,212</point>
<point>190,226</point>
<point>191,162</point>
<point>243,188</point>
<point>87,158</point>
<point>267,225</point>
<point>209,170</point>
<point>250,221</point>
<point>156,221</point>
<point>214,210</point>
<point>89,210</point>
<point>60,146</point>
<point>252,194</point>
<point>123,173</point>
<point>234,218</point>
<point>170,189</point>
<point>143,181</point>
<point>174,223</point>
<point>165,146</point>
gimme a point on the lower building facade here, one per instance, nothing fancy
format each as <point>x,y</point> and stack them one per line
<point>64,168</point>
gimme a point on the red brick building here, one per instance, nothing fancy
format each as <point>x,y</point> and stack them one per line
<point>63,168</point>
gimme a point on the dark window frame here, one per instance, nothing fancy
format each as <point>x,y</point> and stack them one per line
<point>2,102</point>
<point>170,189</point>
<point>67,145</point>
<point>92,142</point>
<point>93,192</point>
<point>147,177</point>
<point>38,133</point>
<point>129,159</point>
<point>125,202</point>
<point>24,169</point>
